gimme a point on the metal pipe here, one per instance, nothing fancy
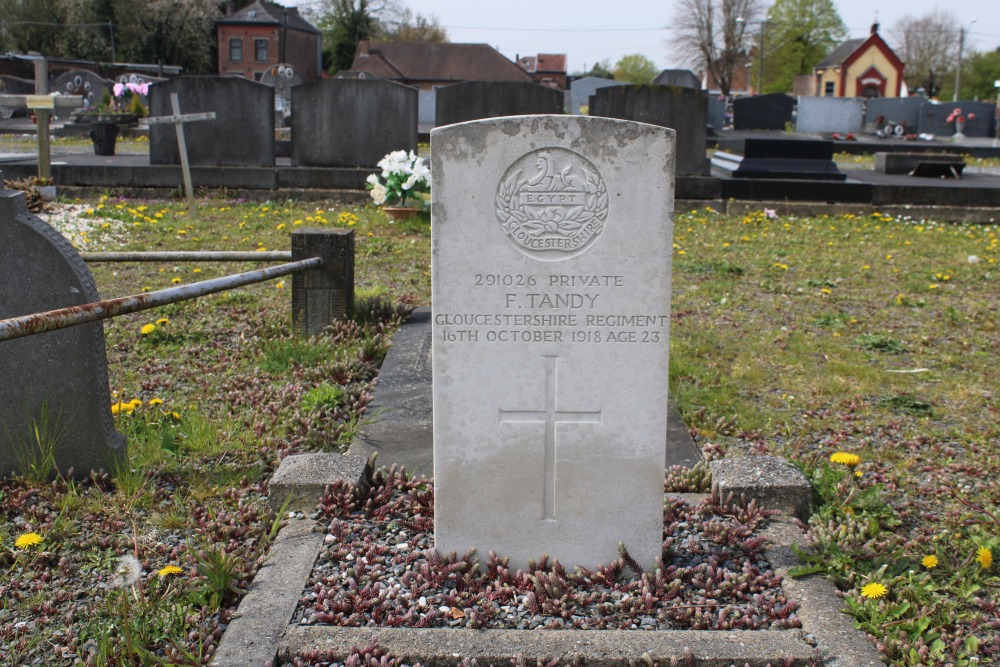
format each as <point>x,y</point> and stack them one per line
<point>26,325</point>
<point>189,256</point>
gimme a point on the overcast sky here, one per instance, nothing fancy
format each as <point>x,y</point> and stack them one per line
<point>591,30</point>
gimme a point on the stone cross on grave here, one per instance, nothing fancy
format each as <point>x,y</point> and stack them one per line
<point>178,120</point>
<point>43,107</point>
<point>551,416</point>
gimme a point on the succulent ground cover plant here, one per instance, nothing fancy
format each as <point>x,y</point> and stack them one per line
<point>379,568</point>
<point>802,337</point>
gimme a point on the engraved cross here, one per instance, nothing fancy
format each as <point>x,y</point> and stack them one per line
<point>551,416</point>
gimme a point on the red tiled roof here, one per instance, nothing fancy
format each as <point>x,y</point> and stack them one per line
<point>422,61</point>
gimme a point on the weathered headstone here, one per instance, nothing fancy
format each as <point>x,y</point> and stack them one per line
<point>352,122</point>
<point>472,100</point>
<point>825,115</point>
<point>763,112</point>
<point>57,380</point>
<point>581,90</point>
<point>682,109</point>
<point>551,255</point>
<point>934,118</point>
<point>242,133</point>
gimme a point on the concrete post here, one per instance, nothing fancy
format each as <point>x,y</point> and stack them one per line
<point>325,294</point>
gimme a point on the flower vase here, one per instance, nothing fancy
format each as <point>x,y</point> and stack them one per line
<point>400,212</point>
<point>959,126</point>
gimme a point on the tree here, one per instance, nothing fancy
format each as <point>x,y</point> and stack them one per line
<point>410,27</point>
<point>929,46</point>
<point>344,23</point>
<point>799,34</point>
<point>980,70</point>
<point>635,68</point>
<point>712,35</point>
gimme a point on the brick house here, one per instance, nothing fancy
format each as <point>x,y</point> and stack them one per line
<point>264,34</point>
<point>548,68</point>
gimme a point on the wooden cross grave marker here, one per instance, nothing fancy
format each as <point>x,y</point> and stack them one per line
<point>44,106</point>
<point>178,120</point>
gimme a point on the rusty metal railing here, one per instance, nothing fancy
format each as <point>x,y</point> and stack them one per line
<point>26,325</point>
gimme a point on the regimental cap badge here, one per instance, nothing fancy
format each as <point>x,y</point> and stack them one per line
<point>552,204</point>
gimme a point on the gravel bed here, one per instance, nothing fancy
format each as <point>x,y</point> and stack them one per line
<point>378,568</point>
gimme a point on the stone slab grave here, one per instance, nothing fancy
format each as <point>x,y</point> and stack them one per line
<point>57,380</point>
<point>933,118</point>
<point>684,110</point>
<point>84,83</point>
<point>472,100</point>
<point>825,115</point>
<point>763,112</point>
<point>551,255</point>
<point>890,113</point>
<point>352,122</point>
<point>805,159</point>
<point>927,165</point>
<point>242,133</point>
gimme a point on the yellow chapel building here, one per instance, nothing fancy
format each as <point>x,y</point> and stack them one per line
<point>863,67</point>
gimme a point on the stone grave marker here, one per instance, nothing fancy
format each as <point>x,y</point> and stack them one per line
<point>716,113</point>
<point>580,91</point>
<point>241,135</point>
<point>763,112</point>
<point>177,119</point>
<point>825,115</point>
<point>551,255</point>
<point>472,100</point>
<point>682,109</point>
<point>88,85</point>
<point>62,372</point>
<point>933,118</point>
<point>352,122</point>
<point>894,112</point>
<point>684,78</point>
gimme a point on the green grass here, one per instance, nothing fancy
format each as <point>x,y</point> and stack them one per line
<point>794,336</point>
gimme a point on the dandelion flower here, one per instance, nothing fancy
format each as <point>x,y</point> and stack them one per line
<point>175,280</point>
<point>127,572</point>
<point>162,321</point>
<point>984,557</point>
<point>168,571</point>
<point>27,540</point>
<point>845,458</point>
<point>280,284</point>
<point>930,562</point>
<point>147,329</point>
<point>874,590</point>
<point>156,401</point>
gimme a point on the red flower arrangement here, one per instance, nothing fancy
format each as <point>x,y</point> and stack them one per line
<point>956,116</point>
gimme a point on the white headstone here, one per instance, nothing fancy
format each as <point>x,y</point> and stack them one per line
<point>552,241</point>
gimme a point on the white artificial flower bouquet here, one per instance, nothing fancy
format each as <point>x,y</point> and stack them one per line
<point>403,175</point>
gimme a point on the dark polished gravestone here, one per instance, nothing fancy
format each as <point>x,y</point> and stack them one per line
<point>682,109</point>
<point>241,135</point>
<point>352,122</point>
<point>893,112</point>
<point>763,112</point>
<point>474,100</point>
<point>934,118</point>
<point>780,159</point>
<point>684,78</point>
<point>56,381</point>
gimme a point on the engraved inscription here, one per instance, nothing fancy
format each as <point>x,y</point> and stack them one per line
<point>551,417</point>
<point>552,204</point>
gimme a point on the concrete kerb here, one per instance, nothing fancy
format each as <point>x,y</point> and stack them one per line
<point>261,630</point>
